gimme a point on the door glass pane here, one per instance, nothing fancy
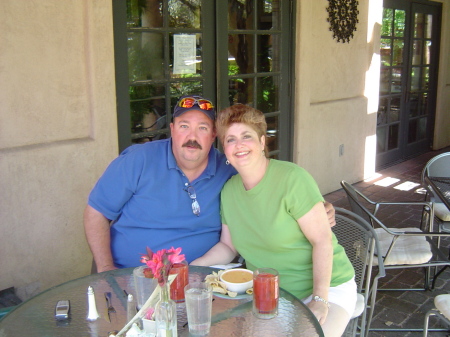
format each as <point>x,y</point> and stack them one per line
<point>268,14</point>
<point>145,109</point>
<point>272,133</point>
<point>427,53</point>
<point>145,13</point>
<point>397,58</point>
<point>419,25</point>
<point>426,78</point>
<point>264,53</point>
<point>422,128</point>
<point>384,81</point>
<point>241,90</point>
<point>267,91</point>
<point>396,81</point>
<point>188,56</point>
<point>424,104</point>
<point>386,27</point>
<point>428,25</point>
<point>382,114</point>
<point>412,131</point>
<point>415,78</point>
<point>184,14</point>
<point>382,111</point>
<point>145,56</point>
<point>393,137</point>
<point>178,89</point>
<point>414,105</point>
<point>417,52</point>
<point>381,139</point>
<point>240,14</point>
<point>399,23</point>
<point>394,115</point>
<point>385,51</point>
<point>240,48</point>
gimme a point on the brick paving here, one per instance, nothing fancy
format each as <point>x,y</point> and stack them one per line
<point>401,309</point>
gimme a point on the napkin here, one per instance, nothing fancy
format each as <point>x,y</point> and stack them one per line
<point>226,266</point>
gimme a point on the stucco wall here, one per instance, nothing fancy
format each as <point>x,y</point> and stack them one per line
<point>336,93</point>
<point>442,123</point>
<point>58,132</point>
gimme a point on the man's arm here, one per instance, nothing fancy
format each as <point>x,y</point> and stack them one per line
<point>97,230</point>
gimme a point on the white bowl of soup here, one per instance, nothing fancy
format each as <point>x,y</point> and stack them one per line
<point>237,280</point>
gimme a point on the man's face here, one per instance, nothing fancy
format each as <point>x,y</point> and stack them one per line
<point>192,136</point>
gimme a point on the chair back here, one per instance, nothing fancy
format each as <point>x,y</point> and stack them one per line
<point>360,241</point>
<point>358,201</point>
<point>438,166</point>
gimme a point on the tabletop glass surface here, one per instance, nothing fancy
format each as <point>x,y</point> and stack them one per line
<point>35,317</point>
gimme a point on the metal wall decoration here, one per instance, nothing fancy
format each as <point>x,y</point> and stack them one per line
<point>343,17</point>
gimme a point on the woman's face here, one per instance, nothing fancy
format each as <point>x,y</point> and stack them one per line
<point>242,146</point>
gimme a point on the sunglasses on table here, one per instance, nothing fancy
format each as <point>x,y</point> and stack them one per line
<point>189,102</point>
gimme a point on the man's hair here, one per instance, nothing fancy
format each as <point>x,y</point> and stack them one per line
<point>241,113</point>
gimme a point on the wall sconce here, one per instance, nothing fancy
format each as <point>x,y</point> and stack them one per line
<point>343,17</point>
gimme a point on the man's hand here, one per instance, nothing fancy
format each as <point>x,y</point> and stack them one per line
<point>330,213</point>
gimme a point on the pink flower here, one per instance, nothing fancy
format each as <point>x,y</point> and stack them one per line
<point>162,261</point>
<point>149,313</point>
<point>175,256</point>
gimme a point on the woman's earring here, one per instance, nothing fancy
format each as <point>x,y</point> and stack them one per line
<point>263,153</point>
<point>227,162</point>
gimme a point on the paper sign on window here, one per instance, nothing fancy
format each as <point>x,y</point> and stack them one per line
<point>184,54</point>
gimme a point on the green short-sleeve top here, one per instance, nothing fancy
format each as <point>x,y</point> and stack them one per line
<point>264,229</point>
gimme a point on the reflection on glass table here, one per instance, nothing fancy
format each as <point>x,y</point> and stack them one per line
<point>35,317</point>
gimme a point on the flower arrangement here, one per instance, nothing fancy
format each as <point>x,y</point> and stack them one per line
<point>161,262</point>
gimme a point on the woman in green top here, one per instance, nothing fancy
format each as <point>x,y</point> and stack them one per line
<point>273,215</point>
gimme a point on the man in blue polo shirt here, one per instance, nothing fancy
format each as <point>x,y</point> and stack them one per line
<point>161,194</point>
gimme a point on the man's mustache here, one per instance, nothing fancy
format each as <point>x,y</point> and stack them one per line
<point>192,143</point>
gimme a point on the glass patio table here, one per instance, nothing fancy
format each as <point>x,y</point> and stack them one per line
<point>230,317</point>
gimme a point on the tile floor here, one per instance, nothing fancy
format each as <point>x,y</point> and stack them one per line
<point>405,309</point>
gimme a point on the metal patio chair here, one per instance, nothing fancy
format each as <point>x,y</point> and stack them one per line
<point>438,166</point>
<point>360,241</point>
<point>442,311</point>
<point>400,247</point>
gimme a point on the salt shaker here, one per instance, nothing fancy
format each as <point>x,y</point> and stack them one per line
<point>92,308</point>
<point>131,307</point>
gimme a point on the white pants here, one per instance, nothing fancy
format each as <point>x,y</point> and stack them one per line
<point>343,295</point>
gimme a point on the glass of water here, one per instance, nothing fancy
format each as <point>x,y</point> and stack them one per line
<point>198,297</point>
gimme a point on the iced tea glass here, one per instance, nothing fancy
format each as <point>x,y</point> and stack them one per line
<point>265,293</point>
<point>178,284</point>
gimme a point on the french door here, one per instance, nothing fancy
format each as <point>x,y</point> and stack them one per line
<point>409,58</point>
<point>231,51</point>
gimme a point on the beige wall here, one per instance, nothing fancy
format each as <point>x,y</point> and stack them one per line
<point>336,96</point>
<point>58,131</point>
<point>442,125</point>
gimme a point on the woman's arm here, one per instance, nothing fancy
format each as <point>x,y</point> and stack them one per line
<point>316,228</point>
<point>221,253</point>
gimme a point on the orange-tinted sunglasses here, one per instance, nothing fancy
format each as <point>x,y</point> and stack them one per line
<point>189,102</point>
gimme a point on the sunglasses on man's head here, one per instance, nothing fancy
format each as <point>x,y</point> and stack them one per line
<point>189,102</point>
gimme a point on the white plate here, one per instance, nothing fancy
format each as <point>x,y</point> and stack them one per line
<point>237,297</point>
